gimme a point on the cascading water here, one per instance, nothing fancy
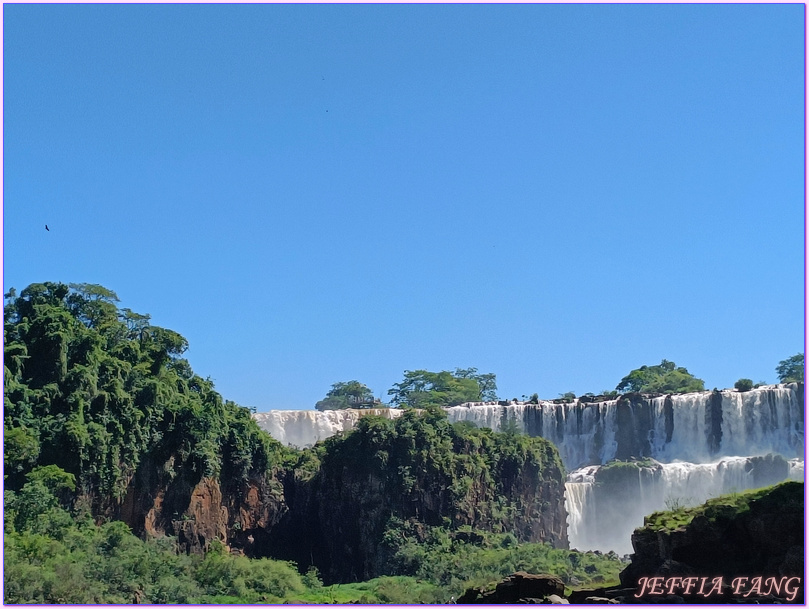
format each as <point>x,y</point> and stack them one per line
<point>704,445</point>
<point>302,428</point>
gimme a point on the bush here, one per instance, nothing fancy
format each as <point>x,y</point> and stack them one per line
<point>744,385</point>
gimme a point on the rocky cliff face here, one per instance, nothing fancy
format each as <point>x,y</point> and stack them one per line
<point>335,508</point>
<point>422,473</point>
<point>758,534</point>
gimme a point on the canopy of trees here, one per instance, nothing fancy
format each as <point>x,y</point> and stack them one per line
<point>790,370</point>
<point>94,389</point>
<point>352,394</point>
<point>664,378</point>
<point>421,388</point>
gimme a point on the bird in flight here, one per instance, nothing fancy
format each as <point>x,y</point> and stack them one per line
<point>47,229</point>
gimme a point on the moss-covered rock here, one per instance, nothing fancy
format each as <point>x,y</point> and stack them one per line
<point>755,533</point>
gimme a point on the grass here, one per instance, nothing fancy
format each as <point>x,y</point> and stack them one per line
<point>381,590</point>
<point>723,507</point>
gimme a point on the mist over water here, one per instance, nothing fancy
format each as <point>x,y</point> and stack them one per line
<point>704,443</point>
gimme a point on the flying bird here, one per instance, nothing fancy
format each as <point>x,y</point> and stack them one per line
<point>47,229</point>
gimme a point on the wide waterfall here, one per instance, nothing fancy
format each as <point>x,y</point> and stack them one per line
<point>688,448</point>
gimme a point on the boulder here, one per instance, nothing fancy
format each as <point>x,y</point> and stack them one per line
<point>521,587</point>
<point>555,599</point>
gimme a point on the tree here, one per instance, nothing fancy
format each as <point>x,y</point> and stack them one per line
<point>790,370</point>
<point>487,383</point>
<point>744,385</point>
<point>421,388</point>
<point>351,394</point>
<point>93,389</point>
<point>664,378</point>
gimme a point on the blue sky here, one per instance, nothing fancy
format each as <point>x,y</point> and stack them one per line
<point>317,193</point>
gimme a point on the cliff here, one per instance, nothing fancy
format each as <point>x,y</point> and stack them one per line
<point>344,506</point>
<point>410,474</point>
<point>748,535</point>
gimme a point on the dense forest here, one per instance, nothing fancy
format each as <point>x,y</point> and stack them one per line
<point>128,478</point>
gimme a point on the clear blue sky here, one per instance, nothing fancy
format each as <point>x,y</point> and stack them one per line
<point>317,193</point>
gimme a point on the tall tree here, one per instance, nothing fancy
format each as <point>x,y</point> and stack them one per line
<point>790,370</point>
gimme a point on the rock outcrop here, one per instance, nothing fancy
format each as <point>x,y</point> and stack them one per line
<point>521,587</point>
<point>756,535</point>
<point>417,473</point>
<point>172,499</point>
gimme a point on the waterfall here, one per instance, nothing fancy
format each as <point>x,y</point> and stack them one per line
<point>579,495</point>
<point>686,440</point>
<point>704,444</point>
<point>668,428</point>
<point>759,422</point>
<point>303,428</point>
<point>488,414</point>
<point>611,519</point>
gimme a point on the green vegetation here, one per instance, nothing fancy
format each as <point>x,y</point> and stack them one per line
<point>96,389</point>
<point>726,506</point>
<point>57,555</point>
<point>664,378</point>
<point>98,400</point>
<point>96,396</point>
<point>352,394</point>
<point>395,590</point>
<point>743,384</point>
<point>462,469</point>
<point>790,370</point>
<point>421,388</point>
<point>469,558</point>
<point>617,471</point>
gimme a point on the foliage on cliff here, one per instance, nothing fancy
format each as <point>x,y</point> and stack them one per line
<point>421,388</point>
<point>458,462</point>
<point>421,469</point>
<point>95,388</point>
<point>351,394</point>
<point>52,556</point>
<point>617,471</point>
<point>100,407</point>
<point>54,553</point>
<point>57,554</point>
<point>755,533</point>
<point>663,378</point>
